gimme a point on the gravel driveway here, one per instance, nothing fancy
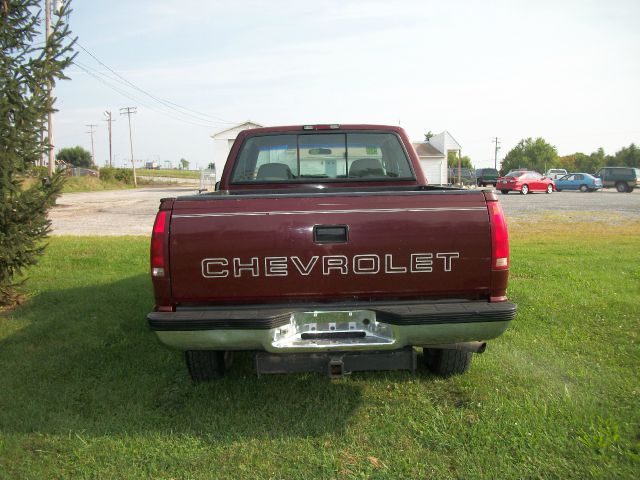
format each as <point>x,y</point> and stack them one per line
<point>114,212</point>
<point>600,204</point>
<point>131,212</point>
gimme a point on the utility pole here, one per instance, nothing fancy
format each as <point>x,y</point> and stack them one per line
<point>93,152</point>
<point>128,111</point>
<point>495,158</point>
<point>45,155</point>
<point>52,160</point>
<point>107,113</point>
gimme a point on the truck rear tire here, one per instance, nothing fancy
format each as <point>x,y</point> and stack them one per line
<point>205,365</point>
<point>447,362</point>
<point>621,187</point>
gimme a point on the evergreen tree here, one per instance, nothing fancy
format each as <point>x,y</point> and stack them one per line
<point>27,67</point>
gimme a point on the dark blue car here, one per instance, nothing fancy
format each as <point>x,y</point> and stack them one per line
<point>578,181</point>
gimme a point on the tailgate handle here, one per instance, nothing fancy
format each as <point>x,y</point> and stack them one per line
<point>330,233</point>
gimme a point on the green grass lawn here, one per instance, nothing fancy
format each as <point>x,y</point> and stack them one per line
<point>94,184</point>
<point>83,184</point>
<point>86,391</point>
<point>91,184</point>
<point>169,173</point>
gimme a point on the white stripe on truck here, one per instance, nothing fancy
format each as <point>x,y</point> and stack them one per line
<point>311,212</point>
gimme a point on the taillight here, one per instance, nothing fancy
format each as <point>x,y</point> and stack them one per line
<point>158,261</point>
<point>499,237</point>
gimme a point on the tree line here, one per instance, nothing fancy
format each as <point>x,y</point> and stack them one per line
<point>539,155</point>
<point>79,157</point>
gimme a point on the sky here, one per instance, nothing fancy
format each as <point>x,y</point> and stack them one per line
<point>567,71</point>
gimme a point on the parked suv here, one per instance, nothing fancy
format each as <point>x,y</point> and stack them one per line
<point>624,179</point>
<point>487,176</point>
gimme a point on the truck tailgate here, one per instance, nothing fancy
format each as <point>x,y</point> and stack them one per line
<point>282,248</point>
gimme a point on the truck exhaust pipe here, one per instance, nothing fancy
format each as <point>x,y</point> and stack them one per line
<point>475,347</point>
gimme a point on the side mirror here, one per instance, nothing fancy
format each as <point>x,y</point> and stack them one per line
<point>217,186</point>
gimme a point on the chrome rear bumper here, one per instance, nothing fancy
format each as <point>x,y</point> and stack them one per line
<point>383,327</point>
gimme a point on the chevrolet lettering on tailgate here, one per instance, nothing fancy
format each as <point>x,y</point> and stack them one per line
<point>366,264</point>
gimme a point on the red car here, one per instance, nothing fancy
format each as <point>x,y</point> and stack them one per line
<point>525,182</point>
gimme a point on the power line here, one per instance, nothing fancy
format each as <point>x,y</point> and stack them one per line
<point>136,99</point>
<point>166,103</point>
<point>96,74</point>
<point>101,80</point>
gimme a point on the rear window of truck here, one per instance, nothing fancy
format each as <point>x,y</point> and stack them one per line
<point>322,157</point>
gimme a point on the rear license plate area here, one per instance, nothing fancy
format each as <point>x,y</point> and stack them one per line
<point>333,330</point>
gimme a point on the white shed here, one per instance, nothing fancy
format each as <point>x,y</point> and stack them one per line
<point>223,140</point>
<point>433,156</point>
<point>433,163</point>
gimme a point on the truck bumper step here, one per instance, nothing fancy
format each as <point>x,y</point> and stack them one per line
<point>268,317</point>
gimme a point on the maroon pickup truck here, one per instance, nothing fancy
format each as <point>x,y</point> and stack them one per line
<point>324,249</point>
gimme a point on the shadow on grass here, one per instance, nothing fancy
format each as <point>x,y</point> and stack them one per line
<point>87,362</point>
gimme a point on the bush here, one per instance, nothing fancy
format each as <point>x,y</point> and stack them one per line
<point>109,174</point>
<point>76,156</point>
